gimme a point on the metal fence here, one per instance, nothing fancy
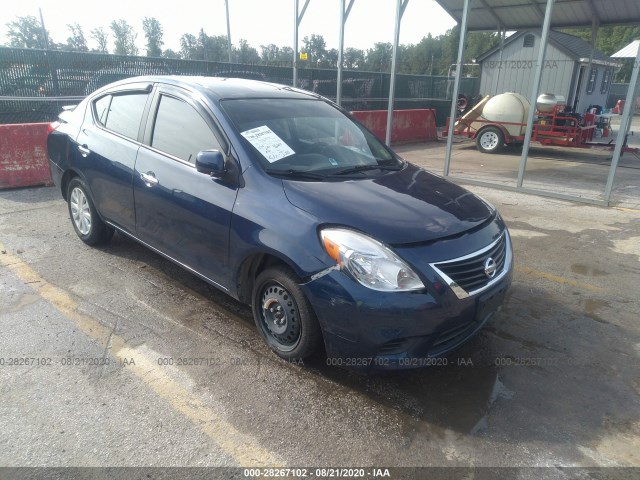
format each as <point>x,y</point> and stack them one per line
<point>35,84</point>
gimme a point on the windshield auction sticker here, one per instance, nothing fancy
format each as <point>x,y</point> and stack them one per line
<point>268,143</point>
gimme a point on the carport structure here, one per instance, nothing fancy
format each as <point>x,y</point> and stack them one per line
<point>504,15</point>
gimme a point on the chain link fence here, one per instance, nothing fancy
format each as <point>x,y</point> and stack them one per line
<point>36,84</point>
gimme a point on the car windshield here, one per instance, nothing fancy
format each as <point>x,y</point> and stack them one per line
<point>308,139</point>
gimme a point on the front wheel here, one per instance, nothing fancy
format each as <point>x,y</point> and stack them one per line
<point>84,217</point>
<point>490,140</point>
<point>283,314</point>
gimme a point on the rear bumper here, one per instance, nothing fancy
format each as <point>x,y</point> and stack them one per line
<point>56,173</point>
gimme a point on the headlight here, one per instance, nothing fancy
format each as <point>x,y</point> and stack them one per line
<point>369,261</point>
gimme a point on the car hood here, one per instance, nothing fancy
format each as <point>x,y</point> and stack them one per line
<point>407,206</point>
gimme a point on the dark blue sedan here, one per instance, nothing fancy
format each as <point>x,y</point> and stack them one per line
<point>279,198</point>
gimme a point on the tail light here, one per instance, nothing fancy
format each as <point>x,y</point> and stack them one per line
<point>52,127</point>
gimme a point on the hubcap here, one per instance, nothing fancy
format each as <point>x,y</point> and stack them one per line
<point>489,140</point>
<point>80,211</point>
<point>280,315</point>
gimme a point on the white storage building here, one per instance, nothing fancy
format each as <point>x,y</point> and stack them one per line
<point>570,69</point>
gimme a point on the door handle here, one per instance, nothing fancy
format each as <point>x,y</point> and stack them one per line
<point>84,151</point>
<point>149,179</point>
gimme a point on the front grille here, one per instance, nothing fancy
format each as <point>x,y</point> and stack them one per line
<point>454,335</point>
<point>393,347</point>
<point>466,275</point>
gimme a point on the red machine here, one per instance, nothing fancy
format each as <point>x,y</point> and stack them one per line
<point>501,120</point>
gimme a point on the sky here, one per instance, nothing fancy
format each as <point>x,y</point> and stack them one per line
<point>260,22</point>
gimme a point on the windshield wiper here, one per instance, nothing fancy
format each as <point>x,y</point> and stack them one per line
<point>364,168</point>
<point>291,173</point>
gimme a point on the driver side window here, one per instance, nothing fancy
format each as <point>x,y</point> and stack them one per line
<point>180,130</point>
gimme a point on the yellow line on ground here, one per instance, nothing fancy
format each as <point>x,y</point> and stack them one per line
<point>626,209</point>
<point>242,448</point>
<point>558,279</point>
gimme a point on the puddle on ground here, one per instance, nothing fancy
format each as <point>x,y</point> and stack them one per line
<point>587,270</point>
<point>591,306</point>
<point>457,394</point>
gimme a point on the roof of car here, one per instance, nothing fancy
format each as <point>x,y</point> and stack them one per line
<point>226,88</point>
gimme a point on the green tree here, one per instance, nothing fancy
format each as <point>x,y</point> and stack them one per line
<point>353,58</point>
<point>285,55</point>
<point>245,53</point>
<point>77,40</point>
<point>168,53</point>
<point>153,33</point>
<point>609,40</point>
<point>378,58</point>
<point>479,43</point>
<point>269,53</point>
<point>204,47</point>
<point>215,48</point>
<point>316,47</point>
<point>26,32</point>
<point>189,47</point>
<point>124,38</point>
<point>330,59</point>
<point>101,38</point>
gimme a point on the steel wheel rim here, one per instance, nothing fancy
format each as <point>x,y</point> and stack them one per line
<point>279,316</point>
<point>80,211</point>
<point>489,140</point>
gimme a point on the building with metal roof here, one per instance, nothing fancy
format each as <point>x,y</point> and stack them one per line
<point>504,15</point>
<point>630,51</point>
<point>572,69</point>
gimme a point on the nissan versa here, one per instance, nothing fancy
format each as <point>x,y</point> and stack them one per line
<point>278,197</point>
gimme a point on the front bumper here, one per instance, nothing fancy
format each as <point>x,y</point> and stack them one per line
<point>369,330</point>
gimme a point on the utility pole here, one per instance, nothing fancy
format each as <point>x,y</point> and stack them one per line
<point>226,4</point>
<point>44,31</point>
<point>52,67</point>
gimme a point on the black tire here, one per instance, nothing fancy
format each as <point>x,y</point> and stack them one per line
<point>283,314</point>
<point>84,217</point>
<point>490,140</point>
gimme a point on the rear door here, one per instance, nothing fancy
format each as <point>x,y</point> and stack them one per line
<point>107,146</point>
<point>184,214</point>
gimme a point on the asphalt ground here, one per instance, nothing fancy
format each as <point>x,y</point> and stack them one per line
<point>577,172</point>
<point>115,357</point>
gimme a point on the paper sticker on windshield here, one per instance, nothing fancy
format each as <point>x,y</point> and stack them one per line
<point>268,143</point>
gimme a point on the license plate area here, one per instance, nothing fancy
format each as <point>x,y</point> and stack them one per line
<point>490,303</point>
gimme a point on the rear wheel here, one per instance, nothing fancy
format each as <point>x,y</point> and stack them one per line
<point>84,217</point>
<point>490,140</point>
<point>283,314</point>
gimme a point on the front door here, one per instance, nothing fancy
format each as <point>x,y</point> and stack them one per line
<point>184,214</point>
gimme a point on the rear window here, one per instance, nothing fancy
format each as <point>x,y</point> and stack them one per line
<point>121,113</point>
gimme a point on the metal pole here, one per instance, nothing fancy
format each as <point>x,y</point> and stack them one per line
<point>400,6</point>
<point>296,25</point>
<point>534,92</point>
<point>456,87</point>
<point>295,42</point>
<point>226,4</point>
<point>344,15</point>
<point>44,31</point>
<point>625,123</point>
<point>50,59</point>
<point>502,32</point>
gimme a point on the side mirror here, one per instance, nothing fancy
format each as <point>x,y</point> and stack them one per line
<point>211,162</point>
